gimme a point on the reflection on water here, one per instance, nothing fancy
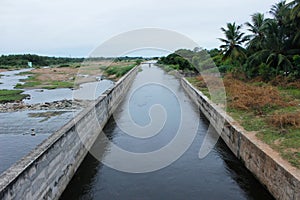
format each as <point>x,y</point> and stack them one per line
<point>220,175</point>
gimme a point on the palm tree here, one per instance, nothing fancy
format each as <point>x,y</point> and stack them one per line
<point>258,29</point>
<point>274,52</point>
<point>233,43</point>
<point>280,12</point>
<point>295,21</point>
<point>295,13</point>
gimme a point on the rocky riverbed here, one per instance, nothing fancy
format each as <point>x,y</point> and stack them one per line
<point>55,105</point>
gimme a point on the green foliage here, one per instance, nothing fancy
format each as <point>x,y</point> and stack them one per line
<point>234,39</point>
<point>29,84</point>
<point>273,46</point>
<point>138,61</point>
<point>21,61</point>
<point>176,59</point>
<point>58,84</point>
<point>118,71</point>
<point>296,61</point>
<point>11,95</point>
<point>186,60</point>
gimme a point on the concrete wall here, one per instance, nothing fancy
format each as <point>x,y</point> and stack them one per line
<point>47,170</point>
<point>280,178</point>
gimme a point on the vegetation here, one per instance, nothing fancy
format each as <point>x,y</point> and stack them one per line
<point>179,60</point>
<point>11,95</point>
<point>272,112</point>
<point>32,83</point>
<point>272,48</point>
<point>261,73</point>
<point>21,61</point>
<point>117,71</point>
<point>71,77</point>
<point>271,54</point>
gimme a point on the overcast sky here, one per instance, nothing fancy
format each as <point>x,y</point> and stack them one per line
<point>75,28</point>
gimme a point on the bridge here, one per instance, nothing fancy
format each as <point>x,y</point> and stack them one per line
<point>141,140</point>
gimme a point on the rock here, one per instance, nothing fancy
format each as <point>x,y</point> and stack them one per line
<point>56,105</point>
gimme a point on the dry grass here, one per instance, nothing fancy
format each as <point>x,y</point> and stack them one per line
<point>272,112</point>
<point>285,120</point>
<point>55,74</point>
<point>285,82</point>
<point>252,98</point>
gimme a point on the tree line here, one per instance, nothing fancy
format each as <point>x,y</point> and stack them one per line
<point>271,49</point>
<point>21,61</point>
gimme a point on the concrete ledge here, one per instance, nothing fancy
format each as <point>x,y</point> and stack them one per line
<point>46,171</point>
<point>279,177</point>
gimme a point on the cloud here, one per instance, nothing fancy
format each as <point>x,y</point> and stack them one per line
<point>68,27</point>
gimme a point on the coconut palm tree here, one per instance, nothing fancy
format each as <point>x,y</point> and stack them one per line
<point>295,22</point>
<point>280,12</point>
<point>274,51</point>
<point>258,29</point>
<point>234,40</point>
<point>295,13</point>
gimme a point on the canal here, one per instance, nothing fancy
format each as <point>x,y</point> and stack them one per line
<point>219,175</point>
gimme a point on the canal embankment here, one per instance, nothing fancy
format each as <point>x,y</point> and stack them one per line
<point>279,177</point>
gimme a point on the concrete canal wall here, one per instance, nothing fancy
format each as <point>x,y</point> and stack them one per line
<point>279,177</point>
<point>47,170</point>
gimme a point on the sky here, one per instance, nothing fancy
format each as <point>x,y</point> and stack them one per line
<point>75,28</point>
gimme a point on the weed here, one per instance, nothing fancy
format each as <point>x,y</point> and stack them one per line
<point>11,95</point>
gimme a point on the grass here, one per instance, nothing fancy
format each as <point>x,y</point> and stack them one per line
<point>272,112</point>
<point>59,84</point>
<point>11,95</point>
<point>199,84</point>
<point>248,120</point>
<point>33,82</point>
<point>25,73</point>
<point>168,68</point>
<point>293,92</point>
<point>117,71</point>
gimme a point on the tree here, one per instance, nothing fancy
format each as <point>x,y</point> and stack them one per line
<point>234,40</point>
<point>280,12</point>
<point>273,52</point>
<point>295,17</point>
<point>258,29</point>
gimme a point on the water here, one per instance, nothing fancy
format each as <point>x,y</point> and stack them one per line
<point>218,176</point>
<point>10,79</point>
<point>86,91</point>
<point>15,132</point>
